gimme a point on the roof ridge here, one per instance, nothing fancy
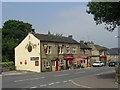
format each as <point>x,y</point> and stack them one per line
<point>54,38</point>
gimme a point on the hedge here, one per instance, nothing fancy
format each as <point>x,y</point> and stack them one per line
<point>7,66</point>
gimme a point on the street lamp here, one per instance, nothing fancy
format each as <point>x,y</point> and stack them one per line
<point>117,68</point>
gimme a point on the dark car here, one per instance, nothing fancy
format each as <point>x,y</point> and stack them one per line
<point>112,64</point>
<point>118,63</point>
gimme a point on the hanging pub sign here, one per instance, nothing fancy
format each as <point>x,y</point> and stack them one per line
<point>45,48</point>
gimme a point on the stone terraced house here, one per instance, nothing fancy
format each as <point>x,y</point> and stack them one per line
<point>46,52</point>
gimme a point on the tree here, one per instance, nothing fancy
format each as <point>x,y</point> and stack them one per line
<point>13,32</point>
<point>105,12</point>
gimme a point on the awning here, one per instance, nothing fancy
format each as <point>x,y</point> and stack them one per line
<point>79,59</point>
<point>68,58</point>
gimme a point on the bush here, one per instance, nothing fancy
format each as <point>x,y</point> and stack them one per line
<point>8,66</point>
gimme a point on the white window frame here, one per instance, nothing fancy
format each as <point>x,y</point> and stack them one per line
<point>68,49</point>
<point>60,50</point>
<point>61,63</point>
<point>54,63</point>
<point>49,50</point>
<point>74,50</point>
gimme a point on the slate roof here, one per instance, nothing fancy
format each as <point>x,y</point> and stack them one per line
<point>113,51</point>
<point>53,38</point>
<point>83,46</point>
<point>100,47</point>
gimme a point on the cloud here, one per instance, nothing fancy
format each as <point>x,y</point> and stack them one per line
<point>81,25</point>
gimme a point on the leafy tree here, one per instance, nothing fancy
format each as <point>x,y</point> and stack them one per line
<point>13,32</point>
<point>105,12</point>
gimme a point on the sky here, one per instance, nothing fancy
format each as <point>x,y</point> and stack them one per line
<point>67,18</point>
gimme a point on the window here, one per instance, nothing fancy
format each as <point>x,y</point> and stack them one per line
<point>67,49</point>
<point>53,63</point>
<point>49,50</point>
<point>47,65</point>
<point>86,51</point>
<point>61,62</point>
<point>82,61</point>
<point>60,50</point>
<point>44,63</point>
<point>74,50</point>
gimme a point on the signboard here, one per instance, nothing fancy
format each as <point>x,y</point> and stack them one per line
<point>34,58</point>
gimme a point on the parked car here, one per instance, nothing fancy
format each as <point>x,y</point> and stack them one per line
<point>118,62</point>
<point>98,64</point>
<point>112,64</point>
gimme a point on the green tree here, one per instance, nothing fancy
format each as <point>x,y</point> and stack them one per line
<point>13,32</point>
<point>105,12</point>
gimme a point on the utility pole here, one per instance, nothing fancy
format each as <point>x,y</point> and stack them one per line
<point>117,68</point>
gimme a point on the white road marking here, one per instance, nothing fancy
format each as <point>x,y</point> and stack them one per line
<point>29,79</point>
<point>51,84</point>
<point>61,75</point>
<point>69,80</point>
<point>83,86</point>
<point>33,87</point>
<point>57,82</point>
<point>43,85</point>
<point>65,81</point>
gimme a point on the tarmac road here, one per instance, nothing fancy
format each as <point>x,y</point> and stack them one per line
<point>78,78</point>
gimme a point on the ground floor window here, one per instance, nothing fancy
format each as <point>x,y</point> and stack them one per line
<point>82,61</point>
<point>61,62</point>
<point>53,62</point>
<point>47,65</point>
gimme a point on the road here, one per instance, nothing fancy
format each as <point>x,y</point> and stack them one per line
<point>59,79</point>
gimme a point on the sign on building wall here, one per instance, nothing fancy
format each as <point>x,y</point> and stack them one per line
<point>34,58</point>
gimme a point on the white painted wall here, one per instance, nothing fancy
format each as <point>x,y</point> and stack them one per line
<point>22,54</point>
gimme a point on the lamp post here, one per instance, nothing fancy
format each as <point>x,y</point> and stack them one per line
<point>117,68</point>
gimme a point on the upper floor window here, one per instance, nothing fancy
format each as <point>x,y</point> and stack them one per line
<point>67,49</point>
<point>49,50</point>
<point>86,52</point>
<point>74,50</point>
<point>60,49</point>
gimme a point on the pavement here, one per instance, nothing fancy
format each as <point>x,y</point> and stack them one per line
<point>22,72</point>
<point>9,73</point>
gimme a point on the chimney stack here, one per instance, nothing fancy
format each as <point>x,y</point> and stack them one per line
<point>81,42</point>
<point>70,36</point>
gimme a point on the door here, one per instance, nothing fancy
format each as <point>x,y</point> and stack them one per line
<point>57,64</point>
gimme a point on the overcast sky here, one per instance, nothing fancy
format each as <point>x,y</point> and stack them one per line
<point>63,18</point>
